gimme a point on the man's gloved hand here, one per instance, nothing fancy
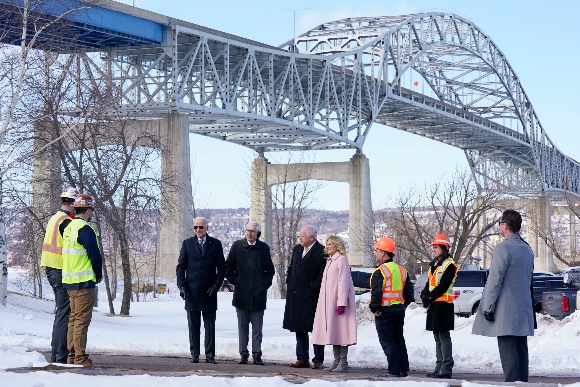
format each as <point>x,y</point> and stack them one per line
<point>183,292</point>
<point>212,291</point>
<point>340,310</point>
<point>488,316</point>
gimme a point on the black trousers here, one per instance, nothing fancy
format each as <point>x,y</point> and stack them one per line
<point>303,347</point>
<point>390,330</point>
<point>513,352</point>
<point>194,325</point>
<point>62,312</point>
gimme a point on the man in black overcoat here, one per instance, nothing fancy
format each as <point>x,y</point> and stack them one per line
<point>200,273</point>
<point>303,281</point>
<point>250,269</point>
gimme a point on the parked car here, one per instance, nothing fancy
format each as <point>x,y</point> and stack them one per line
<point>575,269</point>
<point>542,273</point>
<point>562,302</point>
<point>467,290</point>
<point>541,285</point>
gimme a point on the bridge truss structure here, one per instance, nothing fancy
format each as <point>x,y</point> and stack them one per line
<point>325,88</point>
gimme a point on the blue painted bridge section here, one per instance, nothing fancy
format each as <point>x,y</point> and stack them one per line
<point>77,25</point>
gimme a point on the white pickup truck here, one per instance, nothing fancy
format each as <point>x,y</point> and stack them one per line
<point>467,290</point>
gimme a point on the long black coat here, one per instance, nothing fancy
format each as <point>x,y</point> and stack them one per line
<point>303,281</point>
<point>198,274</point>
<point>440,315</point>
<point>250,269</point>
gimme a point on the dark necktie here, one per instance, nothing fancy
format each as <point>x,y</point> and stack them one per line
<point>201,246</point>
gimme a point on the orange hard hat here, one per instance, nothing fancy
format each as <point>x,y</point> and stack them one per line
<point>84,201</point>
<point>441,239</point>
<point>386,244</point>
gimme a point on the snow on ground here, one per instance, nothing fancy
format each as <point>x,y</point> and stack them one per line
<point>159,327</point>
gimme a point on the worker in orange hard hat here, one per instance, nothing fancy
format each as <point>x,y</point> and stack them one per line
<point>437,297</point>
<point>391,292</point>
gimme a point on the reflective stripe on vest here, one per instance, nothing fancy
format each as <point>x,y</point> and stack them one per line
<point>76,265</point>
<point>52,245</point>
<point>435,279</point>
<point>394,277</point>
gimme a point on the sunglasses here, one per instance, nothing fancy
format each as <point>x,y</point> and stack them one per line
<point>196,227</point>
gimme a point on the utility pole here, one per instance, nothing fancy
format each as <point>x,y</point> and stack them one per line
<point>294,33</point>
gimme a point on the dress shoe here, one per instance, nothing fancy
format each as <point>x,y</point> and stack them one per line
<point>300,364</point>
<point>243,359</point>
<point>404,374</point>
<point>440,375</point>
<point>194,359</point>
<point>430,374</point>
<point>212,361</point>
<point>388,375</point>
<point>317,366</point>
<point>258,360</point>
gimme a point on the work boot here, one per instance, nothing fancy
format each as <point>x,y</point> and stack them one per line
<point>343,364</point>
<point>336,351</point>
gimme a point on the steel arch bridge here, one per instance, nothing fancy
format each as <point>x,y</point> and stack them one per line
<point>325,88</point>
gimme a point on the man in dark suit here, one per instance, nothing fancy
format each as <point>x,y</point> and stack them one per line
<point>200,273</point>
<point>303,280</point>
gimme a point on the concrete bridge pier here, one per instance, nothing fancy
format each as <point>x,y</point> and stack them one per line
<point>539,223</point>
<point>355,172</point>
<point>176,192</point>
<point>47,183</point>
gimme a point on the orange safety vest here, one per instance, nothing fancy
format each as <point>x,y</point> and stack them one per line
<point>435,279</point>
<point>394,278</point>
<point>52,245</point>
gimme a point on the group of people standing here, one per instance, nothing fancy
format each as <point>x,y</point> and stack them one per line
<point>320,293</point>
<point>321,299</point>
<point>72,259</point>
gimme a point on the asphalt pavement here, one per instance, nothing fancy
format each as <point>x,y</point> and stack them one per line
<point>229,368</point>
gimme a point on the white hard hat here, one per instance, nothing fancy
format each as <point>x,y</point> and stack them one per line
<point>70,193</point>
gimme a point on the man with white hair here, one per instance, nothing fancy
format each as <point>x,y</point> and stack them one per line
<point>200,272</point>
<point>250,269</point>
<point>303,280</point>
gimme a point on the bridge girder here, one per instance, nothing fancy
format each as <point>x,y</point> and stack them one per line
<point>325,89</point>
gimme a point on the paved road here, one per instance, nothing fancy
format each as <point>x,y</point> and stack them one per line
<point>180,366</point>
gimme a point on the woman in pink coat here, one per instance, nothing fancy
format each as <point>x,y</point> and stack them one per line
<point>335,318</point>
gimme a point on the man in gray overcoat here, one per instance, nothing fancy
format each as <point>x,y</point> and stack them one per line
<point>505,310</point>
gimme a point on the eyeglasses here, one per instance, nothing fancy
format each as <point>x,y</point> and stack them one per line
<point>200,227</point>
<point>500,222</point>
<point>251,231</point>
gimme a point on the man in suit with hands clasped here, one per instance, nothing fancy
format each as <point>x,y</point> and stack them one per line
<point>200,273</point>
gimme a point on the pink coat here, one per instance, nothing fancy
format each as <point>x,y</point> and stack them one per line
<point>336,290</point>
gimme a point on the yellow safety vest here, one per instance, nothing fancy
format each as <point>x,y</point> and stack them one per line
<point>52,245</point>
<point>435,279</point>
<point>394,278</point>
<point>76,265</point>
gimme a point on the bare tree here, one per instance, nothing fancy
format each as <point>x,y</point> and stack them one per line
<point>456,208</point>
<point>27,26</point>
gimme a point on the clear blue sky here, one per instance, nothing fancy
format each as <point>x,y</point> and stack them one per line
<point>539,38</point>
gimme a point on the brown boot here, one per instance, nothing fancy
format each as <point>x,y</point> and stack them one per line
<point>87,362</point>
<point>300,364</point>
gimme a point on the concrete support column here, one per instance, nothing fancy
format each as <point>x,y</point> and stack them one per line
<point>355,172</point>
<point>572,233</point>
<point>46,177</point>
<point>540,222</point>
<point>360,226</point>
<point>261,197</point>
<point>176,192</point>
